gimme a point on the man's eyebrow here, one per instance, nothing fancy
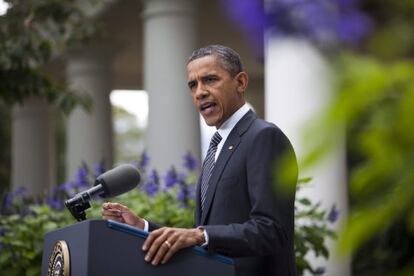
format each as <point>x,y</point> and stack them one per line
<point>210,75</point>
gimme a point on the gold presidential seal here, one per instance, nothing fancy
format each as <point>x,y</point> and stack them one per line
<point>59,260</point>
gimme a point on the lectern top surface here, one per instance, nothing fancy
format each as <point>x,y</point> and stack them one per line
<point>140,233</point>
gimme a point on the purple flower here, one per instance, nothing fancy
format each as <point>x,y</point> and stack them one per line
<point>54,190</point>
<point>186,191</point>
<point>352,27</point>
<point>153,177</point>
<point>144,161</point>
<point>190,162</point>
<point>191,192</point>
<point>182,196</point>
<point>81,179</point>
<point>344,4</point>
<point>68,188</point>
<point>99,168</point>
<point>320,270</point>
<point>152,186</point>
<point>55,203</point>
<point>20,192</point>
<point>170,178</point>
<point>250,16</point>
<point>8,201</point>
<point>324,22</point>
<point>333,214</point>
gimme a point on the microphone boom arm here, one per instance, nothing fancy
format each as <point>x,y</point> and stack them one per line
<point>80,202</point>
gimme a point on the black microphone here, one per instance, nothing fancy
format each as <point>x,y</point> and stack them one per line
<point>109,184</point>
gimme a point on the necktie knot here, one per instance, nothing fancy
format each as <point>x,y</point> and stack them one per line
<point>215,140</point>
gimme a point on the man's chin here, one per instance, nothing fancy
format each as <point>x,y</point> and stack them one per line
<point>209,122</point>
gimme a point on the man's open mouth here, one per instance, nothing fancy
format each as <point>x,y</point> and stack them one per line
<point>207,105</point>
<point>207,108</point>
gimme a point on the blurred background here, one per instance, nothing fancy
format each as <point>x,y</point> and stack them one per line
<point>104,81</point>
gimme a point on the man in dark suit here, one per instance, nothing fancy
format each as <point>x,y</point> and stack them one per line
<point>243,209</point>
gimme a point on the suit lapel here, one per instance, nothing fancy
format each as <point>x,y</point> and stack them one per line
<point>230,146</point>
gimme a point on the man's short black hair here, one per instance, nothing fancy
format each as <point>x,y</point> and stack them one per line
<point>227,57</point>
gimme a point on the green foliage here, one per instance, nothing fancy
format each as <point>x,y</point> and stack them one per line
<point>375,102</point>
<point>378,106</point>
<point>393,35</point>
<point>311,231</point>
<point>22,241</point>
<point>32,33</point>
<point>386,253</point>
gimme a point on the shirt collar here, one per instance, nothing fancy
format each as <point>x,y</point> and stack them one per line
<point>229,124</point>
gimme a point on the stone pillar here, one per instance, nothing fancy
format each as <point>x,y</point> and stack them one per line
<point>297,89</point>
<point>89,134</point>
<point>33,146</point>
<point>169,39</point>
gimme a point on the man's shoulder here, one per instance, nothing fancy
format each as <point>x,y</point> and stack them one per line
<point>251,125</point>
<point>262,126</point>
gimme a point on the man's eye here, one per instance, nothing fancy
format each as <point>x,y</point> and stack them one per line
<point>191,85</point>
<point>211,79</point>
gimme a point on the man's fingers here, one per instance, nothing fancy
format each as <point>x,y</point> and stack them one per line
<point>158,245</point>
<point>154,243</point>
<point>163,243</point>
<point>108,212</point>
<point>112,213</point>
<point>162,250</point>
<point>151,237</point>
<point>174,248</point>
<point>167,248</point>
<point>113,205</point>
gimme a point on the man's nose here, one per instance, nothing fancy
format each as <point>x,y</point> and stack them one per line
<point>201,92</point>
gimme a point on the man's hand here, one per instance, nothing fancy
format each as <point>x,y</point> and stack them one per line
<point>163,243</point>
<point>121,213</point>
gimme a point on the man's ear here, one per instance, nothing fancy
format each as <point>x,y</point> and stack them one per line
<point>242,81</point>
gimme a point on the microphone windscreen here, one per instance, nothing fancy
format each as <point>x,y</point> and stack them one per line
<point>118,180</point>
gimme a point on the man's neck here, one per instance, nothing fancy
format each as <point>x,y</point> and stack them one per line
<point>235,117</point>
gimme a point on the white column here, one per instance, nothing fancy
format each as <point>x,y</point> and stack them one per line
<point>89,134</point>
<point>33,146</point>
<point>169,39</point>
<point>297,89</point>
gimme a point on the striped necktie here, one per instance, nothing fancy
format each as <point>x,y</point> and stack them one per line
<point>208,166</point>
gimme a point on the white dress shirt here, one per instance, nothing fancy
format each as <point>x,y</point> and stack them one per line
<point>228,126</point>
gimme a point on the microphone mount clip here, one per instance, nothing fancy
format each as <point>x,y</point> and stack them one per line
<point>78,209</point>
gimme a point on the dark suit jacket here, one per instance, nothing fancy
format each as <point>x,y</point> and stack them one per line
<point>247,214</point>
